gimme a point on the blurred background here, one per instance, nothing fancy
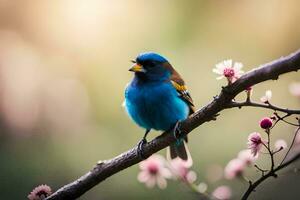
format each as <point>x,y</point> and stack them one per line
<point>64,67</point>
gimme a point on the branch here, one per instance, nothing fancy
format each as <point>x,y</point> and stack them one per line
<point>271,173</point>
<point>260,105</point>
<point>107,168</point>
<point>292,144</point>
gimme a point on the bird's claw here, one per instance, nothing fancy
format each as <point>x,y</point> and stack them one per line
<point>214,117</point>
<point>140,149</point>
<point>177,131</point>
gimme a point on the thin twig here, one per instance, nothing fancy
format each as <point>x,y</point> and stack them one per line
<point>280,149</point>
<point>249,103</point>
<point>263,171</point>
<point>278,118</point>
<point>292,144</point>
<point>267,146</point>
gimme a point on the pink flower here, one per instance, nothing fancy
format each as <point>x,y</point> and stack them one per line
<point>181,170</point>
<point>266,123</point>
<point>154,171</point>
<point>247,157</point>
<point>295,89</point>
<point>280,144</point>
<point>40,192</point>
<point>222,193</point>
<point>255,143</point>
<point>229,70</point>
<point>234,168</point>
<point>267,97</point>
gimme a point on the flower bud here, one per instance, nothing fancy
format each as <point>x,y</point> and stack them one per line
<point>266,123</point>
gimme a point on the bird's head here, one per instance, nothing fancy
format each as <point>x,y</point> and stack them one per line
<point>151,66</point>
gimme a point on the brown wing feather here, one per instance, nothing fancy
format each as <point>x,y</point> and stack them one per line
<point>181,88</point>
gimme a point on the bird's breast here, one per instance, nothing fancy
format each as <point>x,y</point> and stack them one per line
<point>155,106</point>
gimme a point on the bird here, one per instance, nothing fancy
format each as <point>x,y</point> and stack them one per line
<point>157,98</point>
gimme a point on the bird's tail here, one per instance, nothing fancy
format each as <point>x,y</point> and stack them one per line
<point>179,149</point>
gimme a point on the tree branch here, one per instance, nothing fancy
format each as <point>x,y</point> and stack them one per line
<point>260,105</point>
<point>107,168</point>
<point>271,173</point>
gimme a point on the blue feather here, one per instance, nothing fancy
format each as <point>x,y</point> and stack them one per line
<point>151,56</point>
<point>154,105</point>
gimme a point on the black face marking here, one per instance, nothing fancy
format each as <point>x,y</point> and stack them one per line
<point>148,63</point>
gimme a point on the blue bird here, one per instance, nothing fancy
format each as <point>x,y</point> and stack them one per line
<point>158,99</point>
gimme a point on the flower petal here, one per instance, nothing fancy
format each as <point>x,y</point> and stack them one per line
<point>191,176</point>
<point>228,63</point>
<point>295,89</point>
<point>143,176</point>
<point>237,66</point>
<point>220,66</point>
<point>165,173</point>
<point>269,94</point>
<point>151,182</point>
<point>222,193</point>
<point>217,71</point>
<point>220,77</point>
<point>161,182</point>
<point>280,144</point>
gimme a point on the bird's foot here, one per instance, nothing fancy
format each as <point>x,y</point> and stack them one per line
<point>177,132</point>
<point>140,149</point>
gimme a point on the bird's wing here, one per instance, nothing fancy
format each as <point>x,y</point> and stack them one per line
<point>181,88</point>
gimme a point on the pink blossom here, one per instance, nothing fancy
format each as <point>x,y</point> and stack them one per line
<point>181,170</point>
<point>222,193</point>
<point>247,157</point>
<point>40,192</point>
<point>266,123</point>
<point>267,97</point>
<point>234,168</point>
<point>228,69</point>
<point>280,144</point>
<point>295,89</point>
<point>154,172</point>
<point>255,143</point>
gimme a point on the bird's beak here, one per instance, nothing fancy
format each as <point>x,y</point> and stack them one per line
<point>137,68</point>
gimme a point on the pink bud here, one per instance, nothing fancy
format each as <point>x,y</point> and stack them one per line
<point>266,123</point>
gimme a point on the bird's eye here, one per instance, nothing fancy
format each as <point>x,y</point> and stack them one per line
<point>151,63</point>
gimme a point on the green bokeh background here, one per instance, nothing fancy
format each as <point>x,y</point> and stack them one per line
<point>64,66</point>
